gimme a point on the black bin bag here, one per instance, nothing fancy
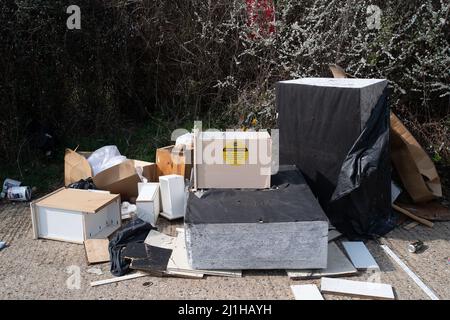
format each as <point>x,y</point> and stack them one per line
<point>134,231</point>
<point>360,206</point>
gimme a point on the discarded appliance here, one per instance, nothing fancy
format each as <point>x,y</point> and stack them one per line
<point>174,160</point>
<point>148,202</point>
<point>74,215</point>
<point>232,159</point>
<point>337,132</point>
<point>21,193</point>
<point>121,178</point>
<point>173,196</point>
<point>280,228</point>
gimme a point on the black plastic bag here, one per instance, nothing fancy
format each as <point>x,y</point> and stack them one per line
<point>134,231</point>
<point>360,206</point>
<point>83,184</point>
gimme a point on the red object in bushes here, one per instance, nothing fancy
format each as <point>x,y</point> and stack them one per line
<point>261,16</point>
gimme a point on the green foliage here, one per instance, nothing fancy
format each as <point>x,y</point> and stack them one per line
<point>137,69</point>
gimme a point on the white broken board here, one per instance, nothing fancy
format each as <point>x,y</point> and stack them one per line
<point>357,288</point>
<point>306,292</point>
<point>411,274</point>
<point>118,279</point>
<point>179,265</point>
<point>360,256</point>
<point>337,265</point>
<point>161,240</point>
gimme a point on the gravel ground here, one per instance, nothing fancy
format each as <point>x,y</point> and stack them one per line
<point>40,269</point>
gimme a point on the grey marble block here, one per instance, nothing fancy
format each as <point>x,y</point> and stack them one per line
<point>280,228</point>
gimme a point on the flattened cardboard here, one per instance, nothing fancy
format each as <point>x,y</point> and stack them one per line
<point>174,160</point>
<point>413,164</point>
<point>76,166</point>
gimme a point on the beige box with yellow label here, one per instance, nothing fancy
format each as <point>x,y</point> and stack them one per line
<point>232,159</point>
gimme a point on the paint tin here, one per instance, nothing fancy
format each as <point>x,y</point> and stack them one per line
<point>19,193</point>
<point>8,183</point>
<point>415,246</point>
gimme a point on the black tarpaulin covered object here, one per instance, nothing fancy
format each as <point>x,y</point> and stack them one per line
<point>361,203</point>
<point>337,133</point>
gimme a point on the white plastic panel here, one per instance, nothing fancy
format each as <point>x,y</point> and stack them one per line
<point>60,224</point>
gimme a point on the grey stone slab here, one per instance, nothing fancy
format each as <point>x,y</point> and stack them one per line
<point>286,245</point>
<point>338,265</point>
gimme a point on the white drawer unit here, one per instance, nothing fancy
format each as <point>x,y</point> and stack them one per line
<point>75,215</point>
<point>173,196</point>
<point>148,202</point>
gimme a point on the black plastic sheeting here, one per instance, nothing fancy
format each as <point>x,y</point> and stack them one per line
<point>361,203</point>
<point>134,231</point>
<point>344,160</point>
<point>83,184</point>
<point>288,200</point>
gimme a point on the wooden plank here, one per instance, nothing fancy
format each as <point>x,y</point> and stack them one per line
<point>338,265</point>
<point>433,210</point>
<point>359,255</point>
<point>411,225</point>
<point>96,250</point>
<point>357,288</point>
<point>411,274</point>
<point>117,279</point>
<point>413,216</point>
<point>306,292</point>
<point>78,200</point>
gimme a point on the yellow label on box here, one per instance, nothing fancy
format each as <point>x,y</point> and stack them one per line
<point>235,153</point>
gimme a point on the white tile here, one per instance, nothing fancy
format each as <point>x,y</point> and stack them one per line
<point>357,288</point>
<point>306,292</point>
<point>359,255</point>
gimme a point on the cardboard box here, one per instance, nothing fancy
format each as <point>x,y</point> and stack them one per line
<point>148,202</point>
<point>122,178</point>
<point>174,160</point>
<point>74,215</point>
<point>232,159</point>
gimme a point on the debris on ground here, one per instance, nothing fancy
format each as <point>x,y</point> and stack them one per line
<point>310,214</point>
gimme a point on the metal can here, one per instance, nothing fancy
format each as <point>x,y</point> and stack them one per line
<point>8,183</point>
<point>415,246</point>
<point>19,193</point>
